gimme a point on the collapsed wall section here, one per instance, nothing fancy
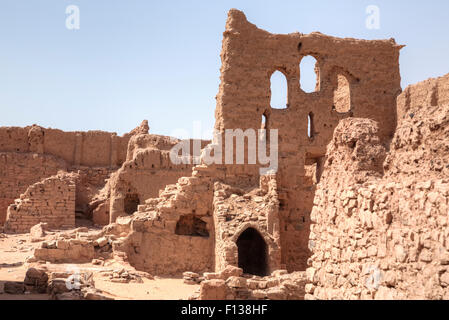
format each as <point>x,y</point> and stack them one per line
<point>247,228</point>
<point>174,232</point>
<point>50,201</point>
<point>19,170</point>
<point>30,154</point>
<point>147,170</point>
<point>382,233</point>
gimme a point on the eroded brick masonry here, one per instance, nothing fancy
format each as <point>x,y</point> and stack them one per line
<point>359,198</point>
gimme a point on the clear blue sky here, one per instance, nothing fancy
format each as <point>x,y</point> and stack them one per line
<point>134,59</point>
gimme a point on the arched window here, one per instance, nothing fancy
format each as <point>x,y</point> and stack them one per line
<point>309,74</point>
<point>342,95</point>
<point>279,90</point>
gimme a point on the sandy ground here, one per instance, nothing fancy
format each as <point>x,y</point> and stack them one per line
<point>14,249</point>
<point>158,289</point>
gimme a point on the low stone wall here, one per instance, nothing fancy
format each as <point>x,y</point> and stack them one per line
<point>159,251</point>
<point>40,280</point>
<point>73,251</point>
<point>231,284</point>
<point>80,245</point>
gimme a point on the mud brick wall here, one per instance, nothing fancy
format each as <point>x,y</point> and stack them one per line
<point>251,55</point>
<point>88,185</point>
<point>147,171</point>
<point>380,219</point>
<point>155,244</point>
<point>20,170</point>
<point>234,214</point>
<point>50,201</point>
<point>91,148</point>
<point>30,154</point>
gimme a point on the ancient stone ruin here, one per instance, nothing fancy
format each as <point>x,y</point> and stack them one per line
<point>356,207</point>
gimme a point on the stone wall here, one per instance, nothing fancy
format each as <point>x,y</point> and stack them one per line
<point>89,183</point>
<point>218,203</point>
<point>166,253</point>
<point>91,148</point>
<point>380,219</point>
<point>232,284</point>
<point>30,154</point>
<point>236,211</point>
<point>50,201</point>
<point>175,232</point>
<point>153,242</point>
<point>251,55</point>
<point>19,170</point>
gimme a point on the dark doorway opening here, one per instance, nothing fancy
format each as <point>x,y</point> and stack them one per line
<point>252,253</point>
<point>131,203</point>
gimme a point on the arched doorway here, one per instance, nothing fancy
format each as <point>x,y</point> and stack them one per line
<point>252,253</point>
<point>342,95</point>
